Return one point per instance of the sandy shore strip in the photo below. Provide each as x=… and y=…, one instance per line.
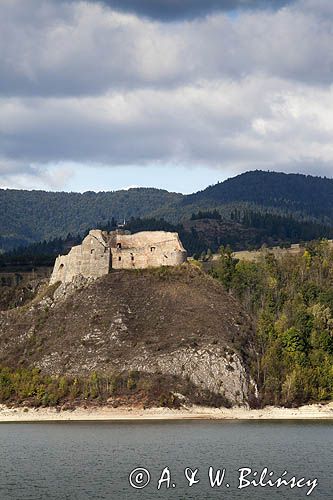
x=315, y=411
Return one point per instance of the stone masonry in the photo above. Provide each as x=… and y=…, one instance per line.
x=101, y=251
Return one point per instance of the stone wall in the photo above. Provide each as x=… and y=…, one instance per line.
x=90, y=259
x=101, y=251
x=147, y=249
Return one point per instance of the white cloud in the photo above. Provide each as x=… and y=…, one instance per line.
x=21, y=175
x=255, y=122
x=82, y=83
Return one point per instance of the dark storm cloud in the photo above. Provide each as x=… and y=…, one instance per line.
x=170, y=10
x=82, y=48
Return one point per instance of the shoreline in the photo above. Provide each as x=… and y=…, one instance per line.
x=27, y=415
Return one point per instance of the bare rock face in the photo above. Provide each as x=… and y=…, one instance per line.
x=209, y=368
x=173, y=321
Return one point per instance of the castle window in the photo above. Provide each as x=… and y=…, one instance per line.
x=92, y=250
x=152, y=249
x=118, y=245
x=132, y=257
x=61, y=267
x=119, y=258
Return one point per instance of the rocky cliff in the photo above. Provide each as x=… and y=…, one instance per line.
x=177, y=322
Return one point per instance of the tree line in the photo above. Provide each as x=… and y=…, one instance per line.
x=290, y=298
x=45, y=252
x=282, y=227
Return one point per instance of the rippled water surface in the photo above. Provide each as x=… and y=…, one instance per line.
x=93, y=460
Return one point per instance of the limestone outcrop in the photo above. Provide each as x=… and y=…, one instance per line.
x=101, y=251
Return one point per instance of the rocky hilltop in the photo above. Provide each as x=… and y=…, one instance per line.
x=175, y=322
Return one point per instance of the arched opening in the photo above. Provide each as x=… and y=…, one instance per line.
x=61, y=271
x=118, y=245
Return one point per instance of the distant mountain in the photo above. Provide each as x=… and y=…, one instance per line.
x=32, y=216
x=296, y=193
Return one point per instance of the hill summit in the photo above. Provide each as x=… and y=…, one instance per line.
x=175, y=322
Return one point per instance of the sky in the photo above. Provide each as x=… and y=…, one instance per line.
x=174, y=94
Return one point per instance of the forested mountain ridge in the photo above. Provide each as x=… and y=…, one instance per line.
x=33, y=216
x=305, y=194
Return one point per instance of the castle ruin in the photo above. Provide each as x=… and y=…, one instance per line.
x=101, y=251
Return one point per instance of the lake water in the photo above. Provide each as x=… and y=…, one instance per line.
x=94, y=460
